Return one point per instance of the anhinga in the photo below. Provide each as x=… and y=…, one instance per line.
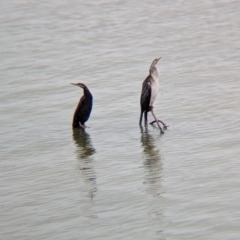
x=150, y=89
x=84, y=107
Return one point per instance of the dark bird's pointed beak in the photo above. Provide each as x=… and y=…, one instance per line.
x=81, y=85
x=158, y=59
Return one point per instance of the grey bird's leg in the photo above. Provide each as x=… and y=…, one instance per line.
x=145, y=118
x=156, y=120
x=140, y=120
x=164, y=125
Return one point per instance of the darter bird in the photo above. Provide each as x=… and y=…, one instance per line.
x=150, y=89
x=84, y=108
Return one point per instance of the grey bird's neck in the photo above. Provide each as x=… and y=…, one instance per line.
x=154, y=72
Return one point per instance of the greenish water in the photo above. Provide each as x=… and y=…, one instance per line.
x=114, y=181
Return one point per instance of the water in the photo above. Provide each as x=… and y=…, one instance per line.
x=114, y=182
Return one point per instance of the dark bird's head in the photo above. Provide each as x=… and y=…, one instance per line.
x=81, y=85
x=86, y=91
x=153, y=69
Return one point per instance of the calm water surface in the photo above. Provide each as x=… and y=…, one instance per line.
x=114, y=181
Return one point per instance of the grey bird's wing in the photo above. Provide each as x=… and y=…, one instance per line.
x=146, y=94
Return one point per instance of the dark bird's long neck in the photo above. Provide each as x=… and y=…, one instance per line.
x=87, y=93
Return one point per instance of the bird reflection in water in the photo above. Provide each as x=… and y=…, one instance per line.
x=153, y=170
x=85, y=151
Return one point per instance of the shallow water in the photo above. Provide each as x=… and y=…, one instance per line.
x=114, y=181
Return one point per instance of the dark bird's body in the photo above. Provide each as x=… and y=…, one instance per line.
x=150, y=89
x=84, y=108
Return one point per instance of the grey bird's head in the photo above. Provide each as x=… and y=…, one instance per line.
x=153, y=69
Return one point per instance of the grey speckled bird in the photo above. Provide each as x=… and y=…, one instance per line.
x=150, y=89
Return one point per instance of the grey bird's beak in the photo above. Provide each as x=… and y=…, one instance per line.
x=74, y=84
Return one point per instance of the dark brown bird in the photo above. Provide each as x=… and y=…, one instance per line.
x=84, y=108
x=150, y=89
